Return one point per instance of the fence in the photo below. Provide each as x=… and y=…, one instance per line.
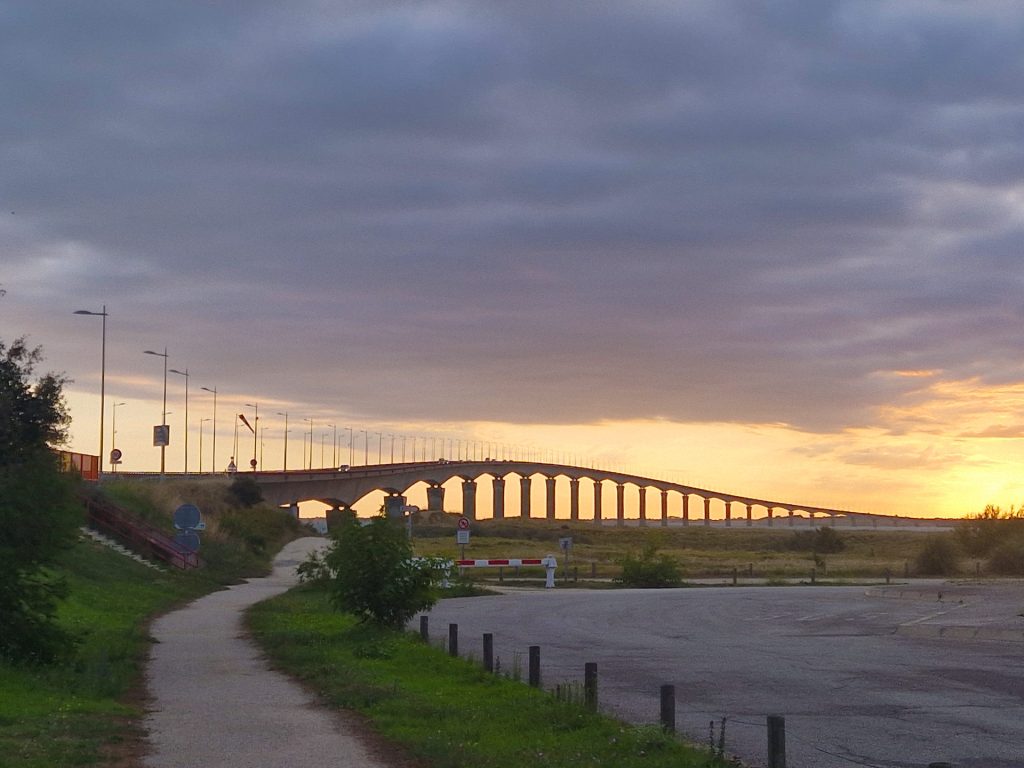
x=144, y=538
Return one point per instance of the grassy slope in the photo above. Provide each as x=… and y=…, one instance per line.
x=83, y=713
x=446, y=711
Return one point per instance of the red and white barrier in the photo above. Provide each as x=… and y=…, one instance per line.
x=549, y=562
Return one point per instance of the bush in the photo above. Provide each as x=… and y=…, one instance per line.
x=1008, y=559
x=820, y=541
x=245, y=492
x=938, y=557
x=982, y=534
x=650, y=569
x=373, y=574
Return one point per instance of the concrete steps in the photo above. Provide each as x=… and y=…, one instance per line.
x=119, y=548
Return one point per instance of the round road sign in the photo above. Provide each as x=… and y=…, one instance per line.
x=463, y=523
x=115, y=454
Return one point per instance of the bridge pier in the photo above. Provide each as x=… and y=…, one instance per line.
x=335, y=515
x=525, y=499
x=393, y=504
x=707, y=510
x=549, y=483
x=435, y=497
x=728, y=514
x=771, y=518
x=620, y=504
x=469, y=499
x=499, y=497
x=750, y=515
x=574, y=498
x=686, y=509
x=598, y=500
x=643, y=505
x=664, y=508
x=791, y=518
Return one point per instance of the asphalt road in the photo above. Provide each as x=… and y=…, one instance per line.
x=861, y=678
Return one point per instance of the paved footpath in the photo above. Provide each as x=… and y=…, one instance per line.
x=216, y=702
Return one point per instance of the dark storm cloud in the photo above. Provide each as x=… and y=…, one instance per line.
x=537, y=212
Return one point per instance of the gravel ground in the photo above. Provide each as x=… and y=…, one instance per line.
x=216, y=702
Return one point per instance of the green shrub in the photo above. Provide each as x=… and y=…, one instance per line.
x=373, y=574
x=650, y=569
x=245, y=492
x=938, y=557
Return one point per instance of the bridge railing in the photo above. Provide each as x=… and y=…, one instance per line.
x=139, y=535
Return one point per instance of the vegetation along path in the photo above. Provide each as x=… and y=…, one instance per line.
x=216, y=702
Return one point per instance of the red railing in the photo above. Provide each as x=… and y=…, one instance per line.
x=144, y=538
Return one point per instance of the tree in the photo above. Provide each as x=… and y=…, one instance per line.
x=39, y=514
x=373, y=575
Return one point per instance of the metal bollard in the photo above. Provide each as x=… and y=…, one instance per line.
x=424, y=631
x=453, y=639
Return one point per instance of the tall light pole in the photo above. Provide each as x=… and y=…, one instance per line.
x=380, y=447
x=201, y=422
x=366, y=447
x=103, y=372
x=323, y=438
x=213, y=458
x=285, y=414
x=335, y=428
x=392, y=448
x=351, y=455
x=185, y=374
x=163, y=413
x=310, y=465
x=255, y=432
x=262, y=434
x=113, y=432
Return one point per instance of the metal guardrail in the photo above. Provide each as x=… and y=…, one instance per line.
x=144, y=538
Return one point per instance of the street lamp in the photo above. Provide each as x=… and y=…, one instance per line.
x=103, y=372
x=285, y=414
x=255, y=433
x=185, y=374
x=163, y=413
x=201, y=422
x=113, y=432
x=335, y=428
x=351, y=455
x=310, y=420
x=213, y=463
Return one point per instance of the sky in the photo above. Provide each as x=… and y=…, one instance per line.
x=772, y=248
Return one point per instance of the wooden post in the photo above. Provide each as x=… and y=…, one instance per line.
x=424, y=630
x=453, y=639
x=590, y=685
x=668, y=708
x=593, y=569
x=488, y=651
x=776, y=741
x=814, y=574
x=735, y=575
x=534, y=674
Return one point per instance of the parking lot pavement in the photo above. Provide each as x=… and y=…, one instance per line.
x=894, y=676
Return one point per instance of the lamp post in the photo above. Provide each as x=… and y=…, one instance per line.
x=310, y=465
x=335, y=428
x=351, y=456
x=163, y=413
x=366, y=447
x=255, y=432
x=185, y=374
x=380, y=447
x=113, y=432
x=323, y=438
x=263, y=431
x=285, y=414
x=103, y=371
x=213, y=457
x=201, y=422
x=392, y=448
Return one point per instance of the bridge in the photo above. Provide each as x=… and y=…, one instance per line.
x=340, y=489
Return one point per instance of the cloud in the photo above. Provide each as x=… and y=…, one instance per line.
x=710, y=212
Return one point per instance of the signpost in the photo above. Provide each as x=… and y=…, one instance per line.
x=115, y=456
x=462, y=535
x=161, y=435
x=188, y=519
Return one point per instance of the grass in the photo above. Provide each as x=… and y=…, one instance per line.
x=87, y=712
x=702, y=552
x=447, y=712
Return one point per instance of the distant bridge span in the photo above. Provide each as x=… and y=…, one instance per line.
x=342, y=489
